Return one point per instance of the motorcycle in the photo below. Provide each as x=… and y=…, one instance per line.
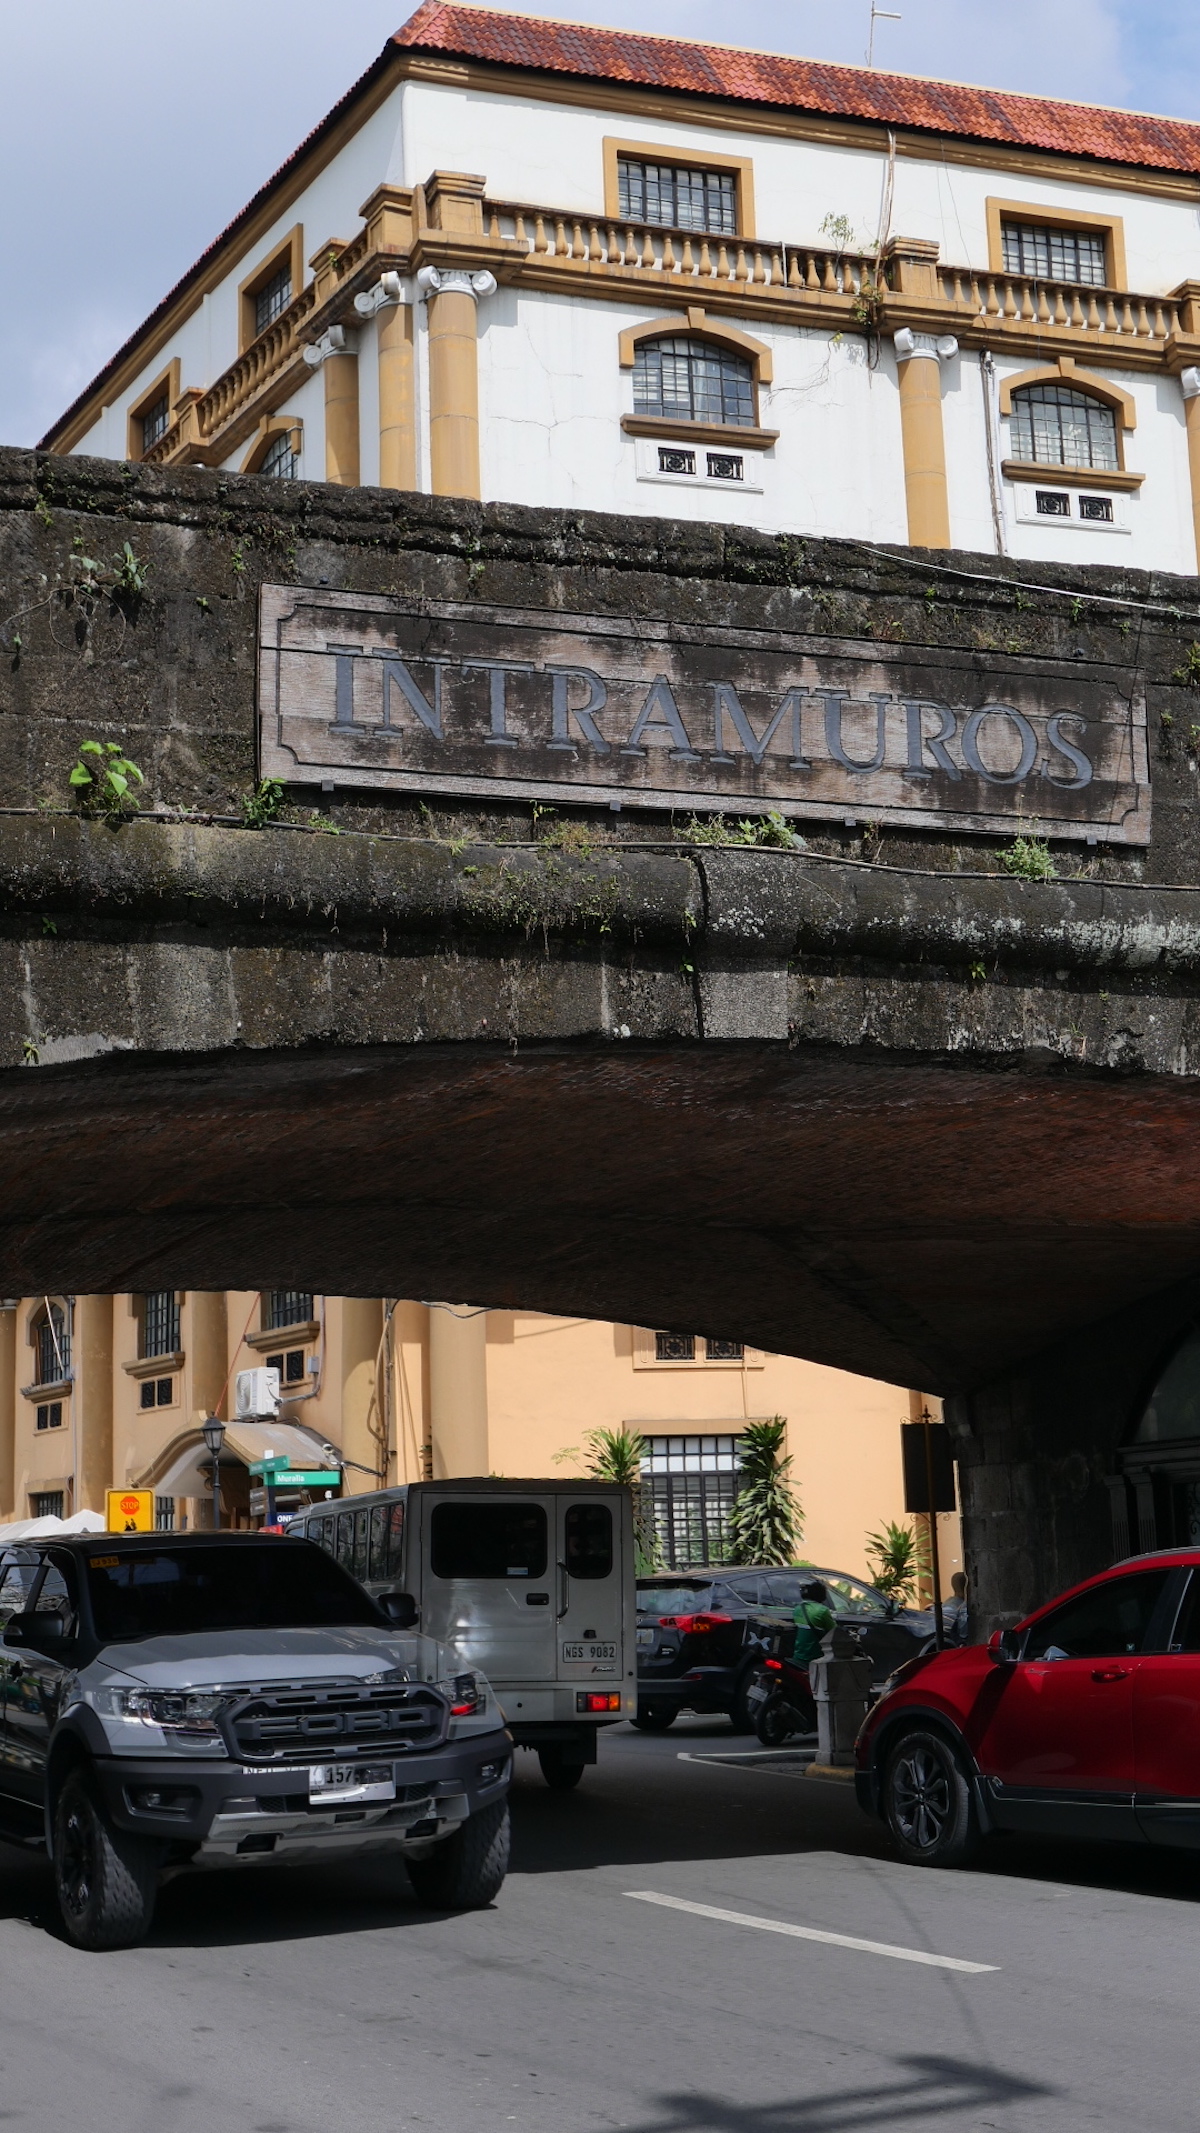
x=779, y=1701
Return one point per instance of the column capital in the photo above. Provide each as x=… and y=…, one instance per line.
x=391, y=288
x=937, y=348
x=1189, y=381
x=335, y=341
x=437, y=281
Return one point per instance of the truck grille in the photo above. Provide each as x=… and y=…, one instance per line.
x=300, y=1725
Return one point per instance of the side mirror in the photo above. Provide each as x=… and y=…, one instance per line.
x=1004, y=1647
x=401, y=1609
x=36, y=1632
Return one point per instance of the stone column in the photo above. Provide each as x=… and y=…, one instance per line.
x=93, y=1401
x=458, y=1398
x=8, y=1407
x=205, y=1338
x=386, y=303
x=919, y=357
x=362, y=1329
x=1190, y=383
x=336, y=355
x=451, y=295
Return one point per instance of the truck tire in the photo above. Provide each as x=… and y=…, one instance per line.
x=464, y=1872
x=105, y=1880
x=560, y=1771
x=654, y=1717
x=927, y=1801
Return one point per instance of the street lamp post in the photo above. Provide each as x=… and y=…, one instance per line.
x=214, y=1438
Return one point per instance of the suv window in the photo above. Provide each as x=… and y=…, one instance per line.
x=488, y=1540
x=671, y=1599
x=177, y=1592
x=749, y=1591
x=17, y=1573
x=1110, y=1620
x=848, y=1597
x=56, y=1593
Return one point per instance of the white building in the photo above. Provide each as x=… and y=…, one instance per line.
x=554, y=265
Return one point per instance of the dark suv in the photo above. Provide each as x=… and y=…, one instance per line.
x=701, y=1633
x=171, y=1701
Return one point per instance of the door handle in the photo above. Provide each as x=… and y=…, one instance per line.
x=563, y=1591
x=1111, y=1673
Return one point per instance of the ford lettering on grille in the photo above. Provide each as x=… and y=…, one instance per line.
x=285, y=1725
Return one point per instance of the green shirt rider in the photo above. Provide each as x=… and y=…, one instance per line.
x=813, y=1622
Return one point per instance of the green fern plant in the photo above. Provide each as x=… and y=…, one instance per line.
x=766, y=1521
x=899, y=1558
x=616, y=1455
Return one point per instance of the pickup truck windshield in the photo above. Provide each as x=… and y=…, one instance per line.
x=178, y=1592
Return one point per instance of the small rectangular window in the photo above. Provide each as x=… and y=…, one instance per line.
x=725, y=466
x=1097, y=508
x=147, y=1394
x=272, y=299
x=588, y=1540
x=1054, y=255
x=1053, y=503
x=672, y=462
x=488, y=1540
x=49, y=1504
x=164, y=1514
x=275, y=1362
x=164, y=1391
x=672, y=197
x=724, y=1351
x=160, y=1323
x=287, y=1307
x=293, y=1367
x=155, y=422
x=49, y=1416
x=674, y=1348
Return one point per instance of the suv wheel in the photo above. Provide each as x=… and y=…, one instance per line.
x=105, y=1880
x=561, y=1772
x=464, y=1872
x=927, y=1802
x=655, y=1717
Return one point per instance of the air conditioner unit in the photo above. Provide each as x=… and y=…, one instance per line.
x=256, y=1395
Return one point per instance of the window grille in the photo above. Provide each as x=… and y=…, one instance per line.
x=164, y=1514
x=158, y=1392
x=724, y=1351
x=1053, y=503
x=725, y=466
x=290, y=1366
x=693, y=381
x=49, y=1504
x=674, y=461
x=272, y=299
x=1096, y=507
x=160, y=1323
x=280, y=460
x=53, y=1348
x=677, y=199
x=287, y=1307
x=1054, y=255
x=155, y=422
x=674, y=1348
x=1054, y=425
x=691, y=1484
x=50, y=1416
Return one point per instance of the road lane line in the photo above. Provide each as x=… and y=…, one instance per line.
x=831, y=1940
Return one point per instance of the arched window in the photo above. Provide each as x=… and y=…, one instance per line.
x=51, y=1339
x=1173, y=1409
x=1056, y=426
x=279, y=458
x=685, y=380
x=1155, y=1489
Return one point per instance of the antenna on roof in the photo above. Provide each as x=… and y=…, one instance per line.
x=878, y=14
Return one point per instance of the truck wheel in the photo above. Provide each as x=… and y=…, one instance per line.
x=105, y=1880
x=560, y=1774
x=464, y=1872
x=927, y=1802
x=655, y=1717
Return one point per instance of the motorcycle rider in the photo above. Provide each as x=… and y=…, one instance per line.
x=813, y=1622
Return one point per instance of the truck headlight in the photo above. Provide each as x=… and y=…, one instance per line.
x=469, y=1698
x=184, y=1717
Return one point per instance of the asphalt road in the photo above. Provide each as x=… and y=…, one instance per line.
x=289, y=2002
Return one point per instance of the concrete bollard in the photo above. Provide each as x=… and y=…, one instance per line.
x=841, y=1684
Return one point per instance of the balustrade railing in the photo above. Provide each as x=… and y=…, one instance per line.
x=1016, y=300
x=684, y=255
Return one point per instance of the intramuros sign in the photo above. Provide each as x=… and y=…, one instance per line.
x=435, y=696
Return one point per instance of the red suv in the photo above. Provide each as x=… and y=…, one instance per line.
x=1082, y=1722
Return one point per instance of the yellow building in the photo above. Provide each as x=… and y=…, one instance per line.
x=112, y=1391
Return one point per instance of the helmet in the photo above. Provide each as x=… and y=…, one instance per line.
x=812, y=1589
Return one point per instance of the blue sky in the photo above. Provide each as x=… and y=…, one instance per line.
x=133, y=131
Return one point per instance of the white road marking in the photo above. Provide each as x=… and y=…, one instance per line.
x=831, y=1940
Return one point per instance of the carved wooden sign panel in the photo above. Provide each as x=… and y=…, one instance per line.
x=388, y=692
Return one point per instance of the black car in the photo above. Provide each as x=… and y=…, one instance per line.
x=701, y=1632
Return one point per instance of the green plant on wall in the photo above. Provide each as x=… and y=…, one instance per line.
x=265, y=804
x=1029, y=859
x=766, y=1521
x=617, y=1455
x=899, y=1558
x=103, y=780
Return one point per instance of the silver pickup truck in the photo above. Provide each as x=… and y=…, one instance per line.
x=176, y=1701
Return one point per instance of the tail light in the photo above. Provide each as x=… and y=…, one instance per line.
x=773, y=1666
x=692, y=1623
x=598, y=1700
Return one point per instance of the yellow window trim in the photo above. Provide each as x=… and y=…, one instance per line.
x=1031, y=212
x=167, y=381
x=683, y=159
x=289, y=251
x=268, y=430
x=696, y=321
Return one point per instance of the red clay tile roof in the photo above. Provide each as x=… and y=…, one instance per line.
x=803, y=85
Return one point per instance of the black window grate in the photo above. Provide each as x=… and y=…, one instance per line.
x=1054, y=255
x=272, y=300
x=674, y=1347
x=281, y=461
x=693, y=381
x=156, y=422
x=47, y=1504
x=160, y=1323
x=287, y=1307
x=676, y=198
x=1052, y=425
x=53, y=1348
